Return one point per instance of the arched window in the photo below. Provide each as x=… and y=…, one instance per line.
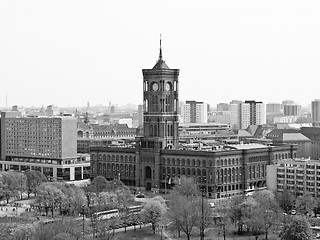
x=188, y=162
x=188, y=171
x=146, y=105
x=203, y=163
x=192, y=162
x=225, y=175
x=233, y=175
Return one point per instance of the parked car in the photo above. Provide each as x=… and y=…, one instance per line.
x=140, y=196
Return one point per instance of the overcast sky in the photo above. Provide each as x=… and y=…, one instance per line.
x=67, y=53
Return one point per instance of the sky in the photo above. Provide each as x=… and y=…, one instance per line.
x=70, y=52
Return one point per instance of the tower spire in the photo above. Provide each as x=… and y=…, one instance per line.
x=160, y=54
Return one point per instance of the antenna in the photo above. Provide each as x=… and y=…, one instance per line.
x=160, y=54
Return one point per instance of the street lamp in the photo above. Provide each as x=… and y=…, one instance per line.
x=202, y=217
x=161, y=232
x=83, y=206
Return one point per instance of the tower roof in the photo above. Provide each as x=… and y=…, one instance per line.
x=160, y=63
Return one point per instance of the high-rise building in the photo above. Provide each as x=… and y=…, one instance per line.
x=315, y=108
x=46, y=144
x=273, y=108
x=194, y=112
x=140, y=115
x=292, y=110
x=257, y=113
x=247, y=113
x=223, y=107
x=235, y=114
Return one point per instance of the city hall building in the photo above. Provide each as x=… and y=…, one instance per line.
x=158, y=161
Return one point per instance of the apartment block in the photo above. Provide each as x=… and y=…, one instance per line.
x=247, y=113
x=297, y=175
x=315, y=109
x=194, y=112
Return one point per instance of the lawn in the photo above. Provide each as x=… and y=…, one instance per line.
x=211, y=234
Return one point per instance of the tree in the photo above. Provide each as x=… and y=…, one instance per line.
x=296, y=229
x=183, y=214
x=21, y=183
x=9, y=184
x=152, y=213
x=236, y=212
x=285, y=200
x=223, y=216
x=187, y=187
x=316, y=208
x=68, y=198
x=305, y=204
x=66, y=229
x=123, y=197
x=99, y=184
x=114, y=185
x=248, y=207
x=204, y=211
x=267, y=211
x=49, y=197
x=185, y=206
x=34, y=179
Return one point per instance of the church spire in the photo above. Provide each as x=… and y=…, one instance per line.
x=160, y=54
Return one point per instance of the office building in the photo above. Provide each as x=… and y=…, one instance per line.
x=46, y=144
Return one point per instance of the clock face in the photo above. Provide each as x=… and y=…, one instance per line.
x=168, y=87
x=155, y=87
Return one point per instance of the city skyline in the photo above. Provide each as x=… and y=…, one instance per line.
x=71, y=53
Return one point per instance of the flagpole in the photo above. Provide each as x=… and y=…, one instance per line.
x=165, y=184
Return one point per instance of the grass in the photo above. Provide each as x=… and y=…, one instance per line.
x=147, y=234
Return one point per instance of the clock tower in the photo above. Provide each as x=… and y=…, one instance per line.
x=160, y=99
